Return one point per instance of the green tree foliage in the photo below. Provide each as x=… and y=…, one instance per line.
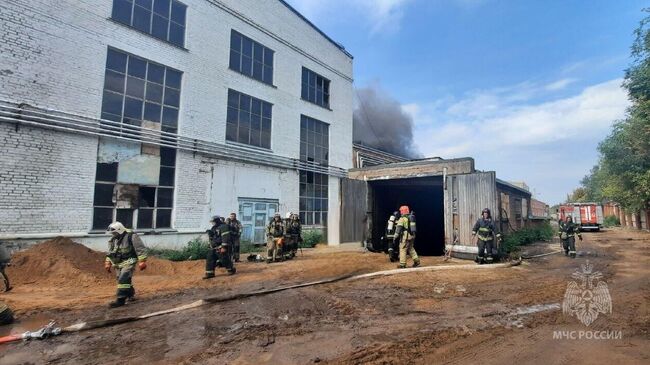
x=623, y=171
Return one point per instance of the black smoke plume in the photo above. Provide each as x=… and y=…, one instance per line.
x=380, y=122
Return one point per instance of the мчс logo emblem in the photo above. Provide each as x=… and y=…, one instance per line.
x=587, y=300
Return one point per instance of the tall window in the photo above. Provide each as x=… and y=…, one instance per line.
x=251, y=58
x=315, y=88
x=314, y=140
x=314, y=147
x=248, y=120
x=135, y=185
x=137, y=90
x=163, y=19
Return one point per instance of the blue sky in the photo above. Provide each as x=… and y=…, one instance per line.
x=527, y=88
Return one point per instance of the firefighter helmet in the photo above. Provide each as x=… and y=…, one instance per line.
x=215, y=219
x=117, y=228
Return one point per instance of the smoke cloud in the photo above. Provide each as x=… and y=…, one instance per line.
x=380, y=122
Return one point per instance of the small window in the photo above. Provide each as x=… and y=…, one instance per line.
x=103, y=195
x=315, y=88
x=106, y=172
x=251, y=58
x=163, y=19
x=102, y=218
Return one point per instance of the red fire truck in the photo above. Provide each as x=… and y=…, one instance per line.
x=589, y=216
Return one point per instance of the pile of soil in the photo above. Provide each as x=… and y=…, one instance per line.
x=59, y=261
x=63, y=262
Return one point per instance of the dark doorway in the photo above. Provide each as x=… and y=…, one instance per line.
x=425, y=197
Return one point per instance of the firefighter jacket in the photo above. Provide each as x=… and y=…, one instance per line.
x=568, y=229
x=235, y=227
x=405, y=227
x=220, y=236
x=485, y=229
x=293, y=228
x=126, y=249
x=275, y=229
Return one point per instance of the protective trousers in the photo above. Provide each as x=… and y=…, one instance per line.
x=124, y=281
x=484, y=247
x=292, y=244
x=272, y=247
x=235, y=248
x=406, y=247
x=569, y=245
x=211, y=261
x=226, y=257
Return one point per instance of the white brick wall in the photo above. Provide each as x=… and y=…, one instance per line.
x=54, y=53
x=47, y=180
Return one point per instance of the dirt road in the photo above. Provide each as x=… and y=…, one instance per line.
x=453, y=317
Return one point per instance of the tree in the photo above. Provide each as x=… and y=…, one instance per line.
x=623, y=170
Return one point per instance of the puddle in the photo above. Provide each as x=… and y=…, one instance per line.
x=516, y=317
x=21, y=326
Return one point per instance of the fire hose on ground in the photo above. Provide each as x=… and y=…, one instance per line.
x=50, y=330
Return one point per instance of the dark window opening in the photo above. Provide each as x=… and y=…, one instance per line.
x=248, y=120
x=102, y=218
x=251, y=58
x=106, y=172
x=165, y=20
x=315, y=88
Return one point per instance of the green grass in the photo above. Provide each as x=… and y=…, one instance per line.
x=526, y=236
x=611, y=221
x=196, y=249
x=311, y=238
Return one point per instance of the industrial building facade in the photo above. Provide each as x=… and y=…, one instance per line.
x=161, y=113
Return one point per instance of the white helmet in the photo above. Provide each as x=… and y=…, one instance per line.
x=116, y=227
x=289, y=214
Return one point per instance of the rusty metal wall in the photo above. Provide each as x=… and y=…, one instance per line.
x=465, y=196
x=354, y=198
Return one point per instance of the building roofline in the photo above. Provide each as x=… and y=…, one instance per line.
x=505, y=183
x=337, y=44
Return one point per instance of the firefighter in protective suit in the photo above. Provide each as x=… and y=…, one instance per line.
x=292, y=231
x=125, y=251
x=405, y=235
x=275, y=238
x=393, y=245
x=221, y=248
x=568, y=231
x=485, y=230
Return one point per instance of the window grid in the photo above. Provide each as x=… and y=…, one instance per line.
x=163, y=19
x=314, y=140
x=248, y=120
x=315, y=88
x=137, y=90
x=313, y=195
x=251, y=58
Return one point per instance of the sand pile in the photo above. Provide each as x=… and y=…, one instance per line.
x=63, y=262
x=59, y=261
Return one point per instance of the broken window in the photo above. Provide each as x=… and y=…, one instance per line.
x=125, y=216
x=106, y=172
x=104, y=195
x=102, y=217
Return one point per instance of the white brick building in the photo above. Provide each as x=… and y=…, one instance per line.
x=219, y=90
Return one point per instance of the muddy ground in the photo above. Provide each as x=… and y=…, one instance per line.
x=456, y=317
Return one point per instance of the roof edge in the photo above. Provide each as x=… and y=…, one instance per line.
x=337, y=44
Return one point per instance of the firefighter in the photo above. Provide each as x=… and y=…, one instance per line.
x=405, y=235
x=275, y=235
x=567, y=233
x=235, y=232
x=485, y=230
x=393, y=245
x=125, y=250
x=220, y=253
x=292, y=234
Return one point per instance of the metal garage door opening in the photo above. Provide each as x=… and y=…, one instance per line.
x=424, y=196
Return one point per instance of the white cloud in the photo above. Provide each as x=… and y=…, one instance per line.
x=519, y=138
x=560, y=84
x=378, y=15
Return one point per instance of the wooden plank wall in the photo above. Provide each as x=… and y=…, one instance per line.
x=354, y=197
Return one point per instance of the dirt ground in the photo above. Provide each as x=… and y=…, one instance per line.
x=452, y=317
